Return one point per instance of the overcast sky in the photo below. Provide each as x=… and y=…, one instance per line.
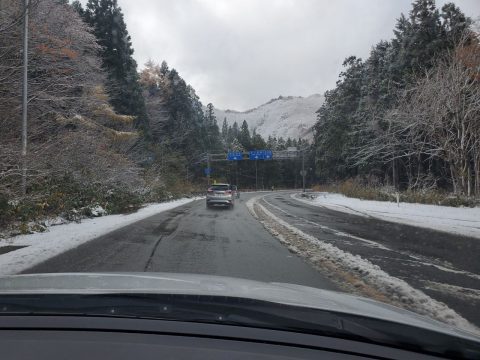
x=238, y=54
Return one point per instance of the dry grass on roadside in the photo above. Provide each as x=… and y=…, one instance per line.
x=354, y=189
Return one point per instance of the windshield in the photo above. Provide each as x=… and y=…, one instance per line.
x=330, y=145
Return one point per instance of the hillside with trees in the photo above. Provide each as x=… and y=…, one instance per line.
x=104, y=135
x=77, y=143
x=284, y=116
x=408, y=116
x=107, y=23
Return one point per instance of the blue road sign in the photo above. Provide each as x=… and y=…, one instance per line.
x=260, y=154
x=234, y=155
x=207, y=171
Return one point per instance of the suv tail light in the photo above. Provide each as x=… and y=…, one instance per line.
x=210, y=191
x=228, y=191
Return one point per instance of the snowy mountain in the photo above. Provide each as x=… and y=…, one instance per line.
x=285, y=116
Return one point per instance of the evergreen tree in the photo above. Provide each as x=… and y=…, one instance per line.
x=210, y=114
x=178, y=119
x=164, y=68
x=225, y=131
x=454, y=23
x=244, y=136
x=235, y=130
x=77, y=6
x=257, y=142
x=356, y=112
x=106, y=19
x=236, y=145
x=213, y=133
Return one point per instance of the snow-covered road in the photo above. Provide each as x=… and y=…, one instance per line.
x=418, y=268
x=461, y=220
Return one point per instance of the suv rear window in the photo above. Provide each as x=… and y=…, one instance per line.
x=220, y=187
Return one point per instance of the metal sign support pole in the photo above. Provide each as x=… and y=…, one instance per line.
x=236, y=174
x=208, y=167
x=303, y=170
x=256, y=176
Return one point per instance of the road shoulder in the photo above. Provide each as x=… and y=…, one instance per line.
x=33, y=249
x=459, y=221
x=353, y=273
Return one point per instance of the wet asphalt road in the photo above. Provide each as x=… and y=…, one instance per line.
x=444, y=266
x=192, y=239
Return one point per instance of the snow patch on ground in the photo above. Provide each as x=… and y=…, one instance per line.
x=60, y=238
x=461, y=221
x=459, y=291
x=415, y=258
x=394, y=288
x=367, y=242
x=250, y=205
x=98, y=211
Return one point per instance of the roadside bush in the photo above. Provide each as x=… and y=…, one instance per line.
x=65, y=197
x=72, y=199
x=118, y=202
x=435, y=197
x=6, y=211
x=352, y=188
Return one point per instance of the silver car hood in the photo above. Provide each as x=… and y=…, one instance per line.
x=194, y=284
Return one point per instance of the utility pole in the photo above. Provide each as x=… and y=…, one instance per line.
x=208, y=169
x=24, y=98
x=236, y=175
x=256, y=176
x=303, y=170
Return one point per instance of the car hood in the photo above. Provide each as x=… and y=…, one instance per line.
x=195, y=284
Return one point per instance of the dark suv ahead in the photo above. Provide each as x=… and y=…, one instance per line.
x=220, y=194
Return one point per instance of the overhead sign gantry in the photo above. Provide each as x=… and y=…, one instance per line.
x=236, y=155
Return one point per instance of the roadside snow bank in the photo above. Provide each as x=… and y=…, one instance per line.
x=462, y=221
x=397, y=291
x=58, y=239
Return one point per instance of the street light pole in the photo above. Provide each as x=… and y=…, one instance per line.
x=236, y=174
x=208, y=169
x=24, y=99
x=256, y=176
x=303, y=170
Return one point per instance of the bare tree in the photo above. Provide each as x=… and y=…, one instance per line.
x=437, y=119
x=72, y=128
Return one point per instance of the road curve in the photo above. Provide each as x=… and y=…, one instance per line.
x=442, y=265
x=193, y=239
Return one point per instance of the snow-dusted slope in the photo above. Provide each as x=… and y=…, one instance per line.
x=288, y=116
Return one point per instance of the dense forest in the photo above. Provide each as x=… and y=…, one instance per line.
x=408, y=116
x=101, y=133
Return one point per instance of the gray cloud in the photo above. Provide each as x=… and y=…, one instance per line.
x=240, y=53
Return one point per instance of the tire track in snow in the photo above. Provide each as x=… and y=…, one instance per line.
x=420, y=260
x=397, y=291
